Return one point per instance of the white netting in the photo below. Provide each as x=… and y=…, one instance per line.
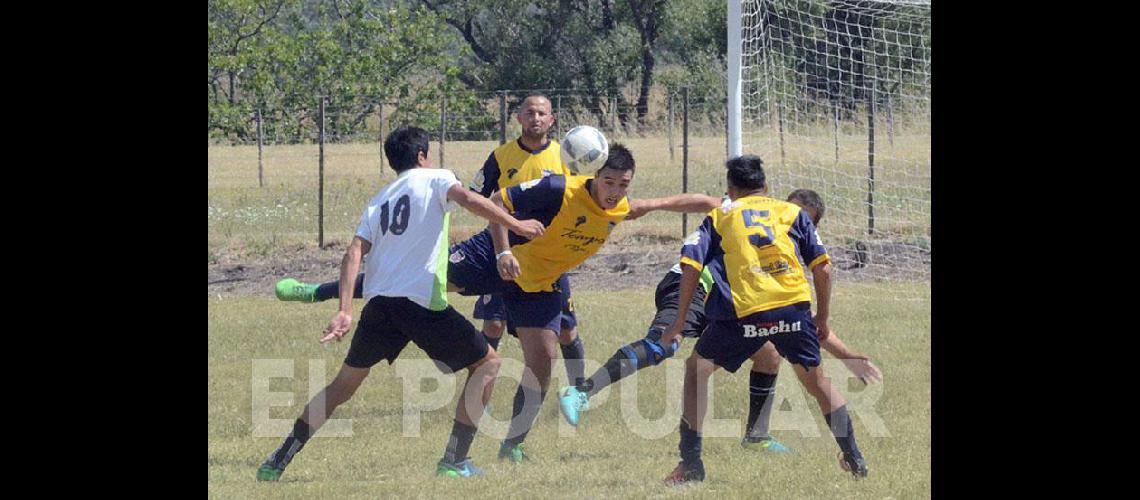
x=835, y=94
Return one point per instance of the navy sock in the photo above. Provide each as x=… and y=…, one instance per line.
x=628, y=359
x=840, y=423
x=331, y=290
x=493, y=341
x=761, y=388
x=526, y=405
x=690, y=445
x=293, y=444
x=574, y=355
x=459, y=443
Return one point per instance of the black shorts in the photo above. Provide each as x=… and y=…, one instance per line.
x=668, y=296
x=388, y=323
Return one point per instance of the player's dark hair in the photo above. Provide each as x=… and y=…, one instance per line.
x=810, y=199
x=619, y=159
x=403, y=146
x=746, y=172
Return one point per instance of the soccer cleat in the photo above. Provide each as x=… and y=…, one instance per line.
x=462, y=469
x=267, y=472
x=293, y=290
x=513, y=453
x=682, y=474
x=571, y=401
x=768, y=444
x=857, y=466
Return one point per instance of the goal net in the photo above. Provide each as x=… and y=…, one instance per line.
x=835, y=97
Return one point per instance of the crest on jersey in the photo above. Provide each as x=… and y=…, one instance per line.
x=581, y=220
x=511, y=173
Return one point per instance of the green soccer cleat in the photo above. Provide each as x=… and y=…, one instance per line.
x=268, y=472
x=290, y=289
x=513, y=453
x=571, y=401
x=768, y=444
x=464, y=468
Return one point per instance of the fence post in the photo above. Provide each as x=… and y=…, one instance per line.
x=260, y=180
x=321, y=179
x=685, y=157
x=835, y=112
x=871, y=163
x=382, y=138
x=502, y=117
x=670, y=94
x=557, y=119
x=613, y=115
x=442, y=127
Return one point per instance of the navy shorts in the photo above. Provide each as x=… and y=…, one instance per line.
x=546, y=310
x=387, y=324
x=569, y=317
x=790, y=328
x=490, y=306
x=667, y=298
x=533, y=309
x=471, y=266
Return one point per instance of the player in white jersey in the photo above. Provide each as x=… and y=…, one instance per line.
x=405, y=229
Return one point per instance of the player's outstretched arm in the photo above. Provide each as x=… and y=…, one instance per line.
x=821, y=277
x=858, y=363
x=687, y=202
x=505, y=262
x=495, y=213
x=690, y=277
x=349, y=267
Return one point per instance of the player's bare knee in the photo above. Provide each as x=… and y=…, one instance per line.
x=488, y=365
x=493, y=328
x=349, y=378
x=567, y=336
x=766, y=361
x=699, y=365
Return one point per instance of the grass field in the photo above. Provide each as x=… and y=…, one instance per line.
x=608, y=457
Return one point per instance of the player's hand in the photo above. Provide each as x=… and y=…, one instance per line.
x=863, y=368
x=673, y=334
x=338, y=326
x=508, y=267
x=822, y=329
x=529, y=229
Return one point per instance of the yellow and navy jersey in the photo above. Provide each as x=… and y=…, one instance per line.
x=576, y=227
x=755, y=248
x=512, y=164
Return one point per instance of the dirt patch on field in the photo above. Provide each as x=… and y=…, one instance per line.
x=635, y=262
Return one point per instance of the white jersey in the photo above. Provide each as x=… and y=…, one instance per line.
x=407, y=225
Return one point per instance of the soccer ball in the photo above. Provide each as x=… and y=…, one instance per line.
x=584, y=147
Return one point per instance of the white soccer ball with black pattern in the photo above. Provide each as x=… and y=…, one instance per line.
x=584, y=148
